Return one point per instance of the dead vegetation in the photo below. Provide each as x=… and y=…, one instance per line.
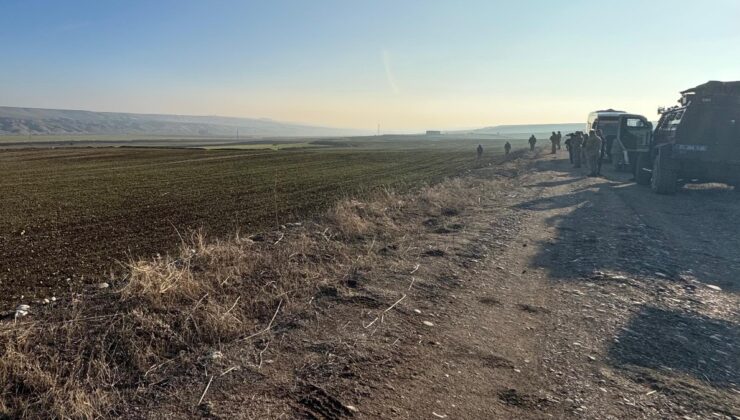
x=86, y=357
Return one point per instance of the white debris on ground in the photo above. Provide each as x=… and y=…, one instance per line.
x=22, y=310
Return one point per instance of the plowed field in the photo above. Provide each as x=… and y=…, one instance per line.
x=70, y=215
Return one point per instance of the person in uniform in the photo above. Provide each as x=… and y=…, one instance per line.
x=608, y=141
x=568, y=141
x=507, y=148
x=618, y=153
x=553, y=143
x=532, y=142
x=592, y=150
x=479, y=150
x=576, y=145
x=559, y=139
x=604, y=152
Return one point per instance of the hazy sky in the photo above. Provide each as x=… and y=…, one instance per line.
x=407, y=65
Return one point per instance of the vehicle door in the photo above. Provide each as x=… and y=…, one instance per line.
x=665, y=131
x=634, y=133
x=724, y=136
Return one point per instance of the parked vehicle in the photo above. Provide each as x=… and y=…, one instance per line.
x=607, y=121
x=698, y=140
x=625, y=136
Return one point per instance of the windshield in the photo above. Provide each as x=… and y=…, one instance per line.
x=608, y=127
x=636, y=123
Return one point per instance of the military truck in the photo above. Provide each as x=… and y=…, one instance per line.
x=697, y=140
x=626, y=136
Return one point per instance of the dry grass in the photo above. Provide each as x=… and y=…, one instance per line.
x=42, y=377
x=354, y=219
x=84, y=358
x=387, y=214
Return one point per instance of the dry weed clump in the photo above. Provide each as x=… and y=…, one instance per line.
x=216, y=292
x=79, y=361
x=452, y=197
x=350, y=219
x=387, y=213
x=354, y=219
x=43, y=375
x=85, y=357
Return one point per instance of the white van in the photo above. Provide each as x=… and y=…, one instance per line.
x=624, y=134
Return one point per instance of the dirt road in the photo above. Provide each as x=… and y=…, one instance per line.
x=597, y=299
x=561, y=296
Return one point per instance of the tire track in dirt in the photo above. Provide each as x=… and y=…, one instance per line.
x=634, y=332
x=580, y=310
x=483, y=361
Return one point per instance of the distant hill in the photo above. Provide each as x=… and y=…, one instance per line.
x=526, y=130
x=37, y=121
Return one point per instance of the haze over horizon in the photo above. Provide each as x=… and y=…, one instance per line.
x=409, y=65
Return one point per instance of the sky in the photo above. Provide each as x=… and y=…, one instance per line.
x=406, y=65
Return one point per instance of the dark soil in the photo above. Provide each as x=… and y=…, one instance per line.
x=71, y=217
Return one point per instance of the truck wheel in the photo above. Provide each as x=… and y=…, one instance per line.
x=665, y=177
x=642, y=169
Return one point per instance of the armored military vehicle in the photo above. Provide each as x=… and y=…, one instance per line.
x=698, y=140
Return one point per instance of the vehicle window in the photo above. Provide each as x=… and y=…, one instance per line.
x=635, y=123
x=608, y=127
x=666, y=122
x=676, y=118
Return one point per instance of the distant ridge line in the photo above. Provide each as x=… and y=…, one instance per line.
x=45, y=121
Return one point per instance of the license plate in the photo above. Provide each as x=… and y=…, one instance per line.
x=691, y=147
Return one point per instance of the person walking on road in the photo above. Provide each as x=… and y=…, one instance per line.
x=593, y=149
x=480, y=151
x=553, y=143
x=507, y=148
x=532, y=142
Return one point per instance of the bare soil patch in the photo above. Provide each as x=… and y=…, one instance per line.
x=71, y=217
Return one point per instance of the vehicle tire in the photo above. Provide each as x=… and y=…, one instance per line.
x=642, y=169
x=665, y=176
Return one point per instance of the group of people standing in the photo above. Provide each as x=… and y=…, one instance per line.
x=555, y=140
x=586, y=147
x=581, y=147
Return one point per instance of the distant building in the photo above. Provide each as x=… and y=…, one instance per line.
x=433, y=132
